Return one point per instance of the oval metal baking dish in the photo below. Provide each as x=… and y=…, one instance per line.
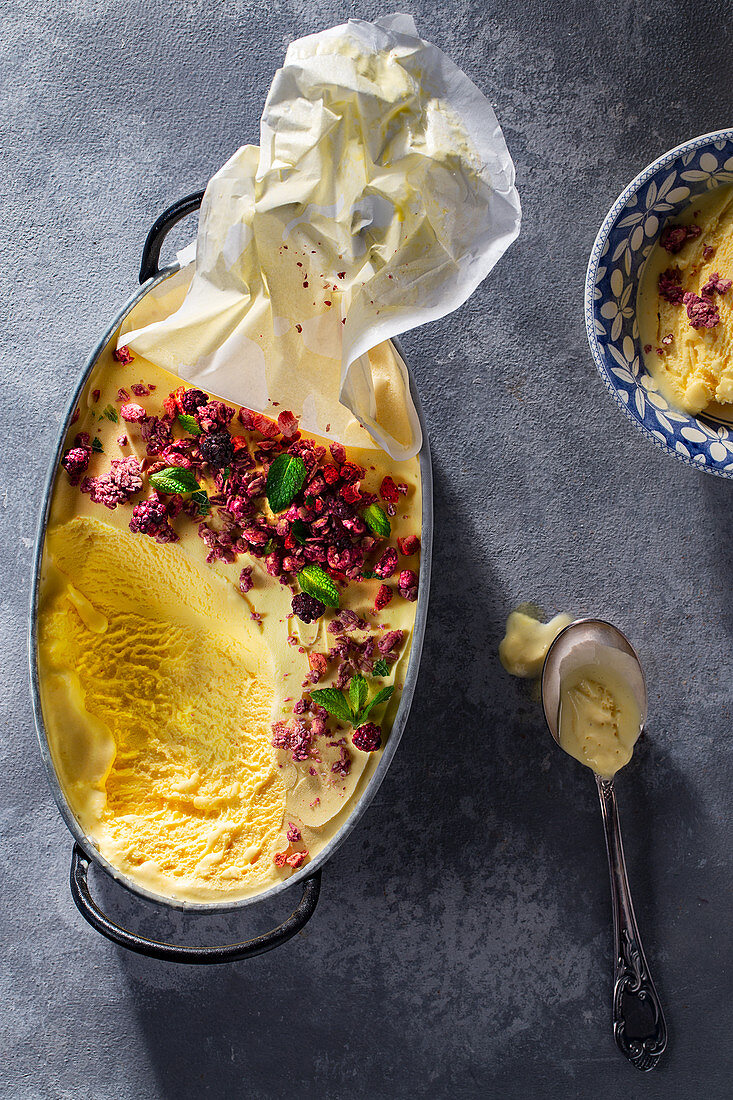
x=84, y=851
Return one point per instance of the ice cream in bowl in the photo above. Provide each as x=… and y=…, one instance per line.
x=659, y=315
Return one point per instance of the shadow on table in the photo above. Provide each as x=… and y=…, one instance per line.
x=480, y=805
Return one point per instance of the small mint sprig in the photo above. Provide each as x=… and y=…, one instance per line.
x=190, y=423
x=284, y=480
x=376, y=520
x=316, y=582
x=355, y=709
x=174, y=479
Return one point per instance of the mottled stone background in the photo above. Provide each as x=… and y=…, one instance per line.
x=462, y=945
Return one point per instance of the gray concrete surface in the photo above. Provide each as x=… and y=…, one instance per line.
x=462, y=944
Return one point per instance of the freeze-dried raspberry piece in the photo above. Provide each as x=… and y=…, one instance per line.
x=670, y=285
x=214, y=416
x=256, y=422
x=156, y=433
x=318, y=662
x=350, y=493
x=349, y=471
x=675, y=237
x=245, y=580
x=715, y=283
x=389, y=643
x=296, y=858
x=387, y=564
x=367, y=738
x=330, y=474
x=75, y=462
x=342, y=766
x=701, y=312
x=295, y=738
x=409, y=545
x=293, y=833
x=384, y=595
x=407, y=585
x=338, y=453
x=123, y=355
x=122, y=395
x=133, y=414
x=141, y=390
x=279, y=859
x=126, y=474
x=190, y=400
x=102, y=490
x=388, y=490
x=150, y=517
x=288, y=425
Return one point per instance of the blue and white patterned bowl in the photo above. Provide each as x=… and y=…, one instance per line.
x=626, y=238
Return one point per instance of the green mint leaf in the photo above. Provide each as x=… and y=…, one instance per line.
x=284, y=478
x=381, y=697
x=189, y=423
x=358, y=691
x=381, y=668
x=97, y=446
x=318, y=584
x=369, y=575
x=335, y=703
x=111, y=413
x=375, y=518
x=174, y=479
x=201, y=497
x=270, y=546
x=299, y=531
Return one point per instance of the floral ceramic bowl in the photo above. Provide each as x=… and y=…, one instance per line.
x=625, y=240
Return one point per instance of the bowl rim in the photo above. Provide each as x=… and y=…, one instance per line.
x=589, y=304
x=409, y=682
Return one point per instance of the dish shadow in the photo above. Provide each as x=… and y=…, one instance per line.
x=483, y=848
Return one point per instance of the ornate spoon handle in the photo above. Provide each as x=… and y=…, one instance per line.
x=639, y=1027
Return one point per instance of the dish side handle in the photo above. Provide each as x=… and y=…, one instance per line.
x=171, y=952
x=149, y=265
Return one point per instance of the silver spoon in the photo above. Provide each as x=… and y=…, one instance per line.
x=639, y=1026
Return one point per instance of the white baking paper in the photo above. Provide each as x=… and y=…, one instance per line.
x=380, y=196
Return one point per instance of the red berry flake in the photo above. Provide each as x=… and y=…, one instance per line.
x=368, y=737
x=256, y=422
x=288, y=425
x=409, y=545
x=388, y=490
x=675, y=237
x=670, y=285
x=715, y=283
x=387, y=564
x=133, y=414
x=293, y=833
x=384, y=595
x=407, y=585
x=296, y=858
x=123, y=355
x=75, y=462
x=701, y=312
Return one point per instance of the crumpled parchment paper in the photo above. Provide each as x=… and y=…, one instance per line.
x=380, y=196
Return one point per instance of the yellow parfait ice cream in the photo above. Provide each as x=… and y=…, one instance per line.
x=600, y=721
x=685, y=307
x=176, y=691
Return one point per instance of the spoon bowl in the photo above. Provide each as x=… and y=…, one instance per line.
x=588, y=642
